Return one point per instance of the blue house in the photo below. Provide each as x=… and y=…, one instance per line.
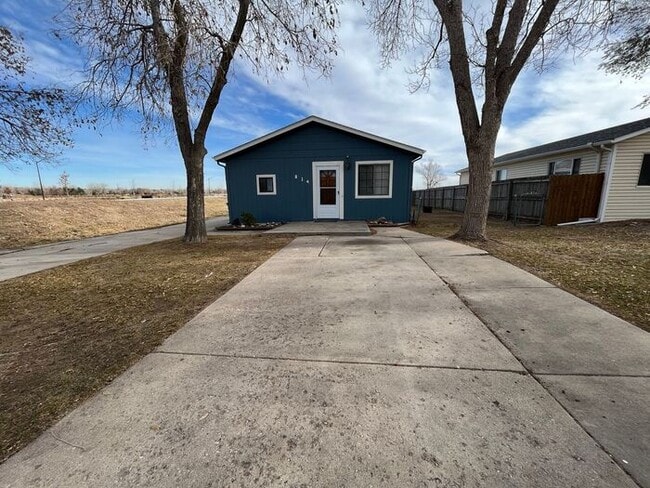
x=317, y=169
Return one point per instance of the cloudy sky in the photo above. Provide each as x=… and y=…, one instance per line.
x=572, y=98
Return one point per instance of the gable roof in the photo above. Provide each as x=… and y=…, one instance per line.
x=611, y=135
x=321, y=121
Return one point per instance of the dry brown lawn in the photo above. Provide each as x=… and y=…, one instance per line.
x=34, y=221
x=68, y=331
x=606, y=264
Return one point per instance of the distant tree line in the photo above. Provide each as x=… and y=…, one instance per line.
x=171, y=59
x=96, y=190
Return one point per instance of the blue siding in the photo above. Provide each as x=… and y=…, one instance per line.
x=292, y=154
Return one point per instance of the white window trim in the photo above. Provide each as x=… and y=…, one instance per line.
x=315, y=166
x=264, y=193
x=638, y=176
x=356, y=180
x=504, y=172
x=566, y=160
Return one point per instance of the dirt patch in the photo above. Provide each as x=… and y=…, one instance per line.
x=34, y=221
x=68, y=331
x=605, y=264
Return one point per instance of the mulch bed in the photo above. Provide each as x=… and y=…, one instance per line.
x=257, y=227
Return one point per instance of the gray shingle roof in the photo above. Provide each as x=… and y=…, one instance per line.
x=599, y=136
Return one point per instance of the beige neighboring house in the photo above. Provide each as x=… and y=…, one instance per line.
x=621, y=152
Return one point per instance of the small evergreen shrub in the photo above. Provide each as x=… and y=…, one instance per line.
x=248, y=219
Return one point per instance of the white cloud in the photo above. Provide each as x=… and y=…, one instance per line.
x=574, y=99
x=571, y=99
x=361, y=94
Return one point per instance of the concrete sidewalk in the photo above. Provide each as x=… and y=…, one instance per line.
x=30, y=260
x=370, y=361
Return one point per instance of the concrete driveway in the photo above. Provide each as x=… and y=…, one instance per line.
x=14, y=263
x=391, y=360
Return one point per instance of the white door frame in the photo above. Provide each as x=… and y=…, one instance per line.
x=317, y=165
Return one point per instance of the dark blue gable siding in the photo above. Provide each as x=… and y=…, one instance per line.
x=290, y=158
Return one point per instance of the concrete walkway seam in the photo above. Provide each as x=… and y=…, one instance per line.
x=344, y=361
x=529, y=373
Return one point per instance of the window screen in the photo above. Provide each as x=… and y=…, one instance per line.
x=563, y=167
x=265, y=184
x=374, y=179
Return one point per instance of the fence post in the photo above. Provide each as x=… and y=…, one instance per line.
x=510, y=188
x=453, y=200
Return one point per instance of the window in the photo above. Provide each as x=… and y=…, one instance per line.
x=374, y=179
x=576, y=166
x=644, y=175
x=266, y=184
x=502, y=174
x=564, y=167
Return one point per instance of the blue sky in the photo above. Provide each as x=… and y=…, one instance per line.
x=573, y=97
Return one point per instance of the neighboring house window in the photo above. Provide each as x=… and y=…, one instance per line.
x=374, y=179
x=644, y=175
x=502, y=174
x=564, y=167
x=266, y=184
x=576, y=166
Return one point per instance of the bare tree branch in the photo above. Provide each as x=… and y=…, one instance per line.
x=629, y=54
x=487, y=45
x=169, y=60
x=35, y=122
x=431, y=173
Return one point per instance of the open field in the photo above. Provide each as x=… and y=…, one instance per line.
x=68, y=331
x=606, y=264
x=27, y=222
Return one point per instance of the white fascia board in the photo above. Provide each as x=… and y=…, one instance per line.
x=631, y=135
x=543, y=155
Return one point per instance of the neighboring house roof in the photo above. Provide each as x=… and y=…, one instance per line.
x=318, y=120
x=611, y=135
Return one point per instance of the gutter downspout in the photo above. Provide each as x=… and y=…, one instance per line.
x=410, y=194
x=600, y=148
x=225, y=175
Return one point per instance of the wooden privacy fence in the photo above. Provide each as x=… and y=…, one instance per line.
x=549, y=200
x=573, y=197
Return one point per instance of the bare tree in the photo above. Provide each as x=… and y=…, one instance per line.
x=97, y=189
x=170, y=59
x=431, y=173
x=64, y=182
x=486, y=45
x=629, y=55
x=33, y=120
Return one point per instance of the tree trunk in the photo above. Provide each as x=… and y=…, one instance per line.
x=477, y=204
x=195, y=231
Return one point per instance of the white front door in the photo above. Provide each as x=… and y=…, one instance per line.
x=328, y=190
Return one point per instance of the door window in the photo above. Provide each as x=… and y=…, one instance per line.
x=327, y=186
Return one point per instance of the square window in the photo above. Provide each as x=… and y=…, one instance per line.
x=374, y=179
x=644, y=175
x=266, y=185
x=563, y=167
x=576, y=166
x=502, y=174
